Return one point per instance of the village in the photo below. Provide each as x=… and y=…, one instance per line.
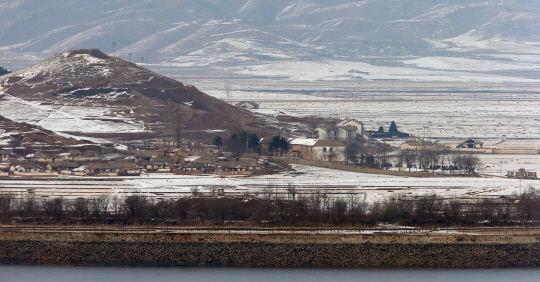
x=343, y=142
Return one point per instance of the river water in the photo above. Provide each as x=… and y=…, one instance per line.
x=32, y=273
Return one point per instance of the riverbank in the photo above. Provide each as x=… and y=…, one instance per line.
x=347, y=251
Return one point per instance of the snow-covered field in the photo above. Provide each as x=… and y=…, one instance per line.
x=455, y=70
x=307, y=180
x=465, y=64
x=443, y=115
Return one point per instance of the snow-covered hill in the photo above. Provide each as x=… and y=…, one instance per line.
x=86, y=91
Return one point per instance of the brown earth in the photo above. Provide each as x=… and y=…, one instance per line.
x=355, y=251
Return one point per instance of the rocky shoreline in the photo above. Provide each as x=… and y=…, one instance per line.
x=359, y=251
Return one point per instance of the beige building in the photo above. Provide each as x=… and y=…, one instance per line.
x=324, y=133
x=352, y=122
x=320, y=150
x=418, y=145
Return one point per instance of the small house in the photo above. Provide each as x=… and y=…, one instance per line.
x=168, y=142
x=352, y=122
x=324, y=133
x=346, y=132
x=62, y=167
x=471, y=144
x=418, y=145
x=192, y=168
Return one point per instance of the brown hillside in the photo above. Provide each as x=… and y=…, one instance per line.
x=90, y=78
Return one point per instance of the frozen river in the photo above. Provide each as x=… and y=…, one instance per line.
x=24, y=273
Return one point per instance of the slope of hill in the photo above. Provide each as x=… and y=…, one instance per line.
x=16, y=133
x=86, y=91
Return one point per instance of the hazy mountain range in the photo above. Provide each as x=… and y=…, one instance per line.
x=238, y=32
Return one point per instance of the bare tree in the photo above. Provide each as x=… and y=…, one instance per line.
x=471, y=163
x=291, y=190
x=444, y=155
x=427, y=207
x=457, y=161
x=135, y=205
x=434, y=159
x=81, y=207
x=487, y=209
x=7, y=199
x=528, y=205
x=409, y=157
x=116, y=205
x=100, y=206
x=29, y=206
x=54, y=208
x=503, y=209
x=452, y=211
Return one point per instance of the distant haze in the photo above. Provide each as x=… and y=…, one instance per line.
x=237, y=32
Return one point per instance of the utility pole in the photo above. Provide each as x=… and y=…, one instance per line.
x=129, y=57
x=142, y=62
x=114, y=47
x=178, y=126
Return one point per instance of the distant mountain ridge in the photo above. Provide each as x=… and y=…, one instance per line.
x=224, y=32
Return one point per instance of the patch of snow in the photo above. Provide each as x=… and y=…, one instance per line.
x=463, y=64
x=121, y=147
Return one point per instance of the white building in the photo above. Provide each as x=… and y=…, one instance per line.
x=352, y=122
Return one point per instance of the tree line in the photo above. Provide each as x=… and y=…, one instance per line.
x=439, y=160
x=428, y=160
x=270, y=208
x=4, y=71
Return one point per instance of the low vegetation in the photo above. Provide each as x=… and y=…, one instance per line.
x=272, y=209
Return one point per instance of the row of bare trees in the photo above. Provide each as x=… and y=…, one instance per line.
x=435, y=160
x=270, y=208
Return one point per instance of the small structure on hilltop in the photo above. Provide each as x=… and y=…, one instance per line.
x=247, y=105
x=522, y=174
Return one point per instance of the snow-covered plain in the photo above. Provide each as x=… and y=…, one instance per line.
x=456, y=70
x=465, y=64
x=443, y=115
x=307, y=180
